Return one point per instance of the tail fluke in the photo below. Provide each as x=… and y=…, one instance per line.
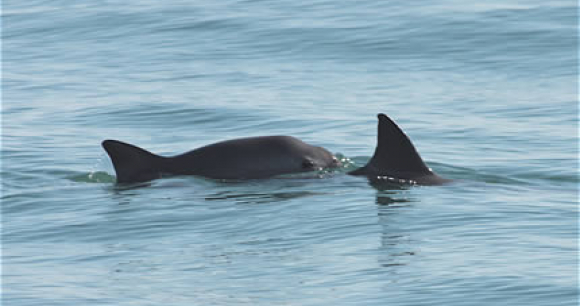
x=133, y=164
x=395, y=155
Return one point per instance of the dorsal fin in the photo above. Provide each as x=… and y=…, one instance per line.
x=394, y=155
x=133, y=164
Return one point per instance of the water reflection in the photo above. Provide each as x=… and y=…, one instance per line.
x=389, y=193
x=259, y=198
x=386, y=185
x=397, y=244
x=119, y=188
x=263, y=191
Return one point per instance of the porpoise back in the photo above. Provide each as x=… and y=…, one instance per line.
x=395, y=159
x=245, y=158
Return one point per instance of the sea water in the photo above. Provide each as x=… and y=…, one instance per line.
x=487, y=92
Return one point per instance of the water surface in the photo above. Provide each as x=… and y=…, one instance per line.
x=486, y=91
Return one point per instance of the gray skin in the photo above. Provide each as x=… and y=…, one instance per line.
x=245, y=158
x=395, y=159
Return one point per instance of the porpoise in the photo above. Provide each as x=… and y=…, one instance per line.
x=395, y=159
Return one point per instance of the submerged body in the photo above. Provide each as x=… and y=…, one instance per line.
x=395, y=158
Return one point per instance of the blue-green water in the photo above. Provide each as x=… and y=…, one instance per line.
x=487, y=91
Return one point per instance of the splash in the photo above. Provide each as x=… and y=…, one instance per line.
x=93, y=177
